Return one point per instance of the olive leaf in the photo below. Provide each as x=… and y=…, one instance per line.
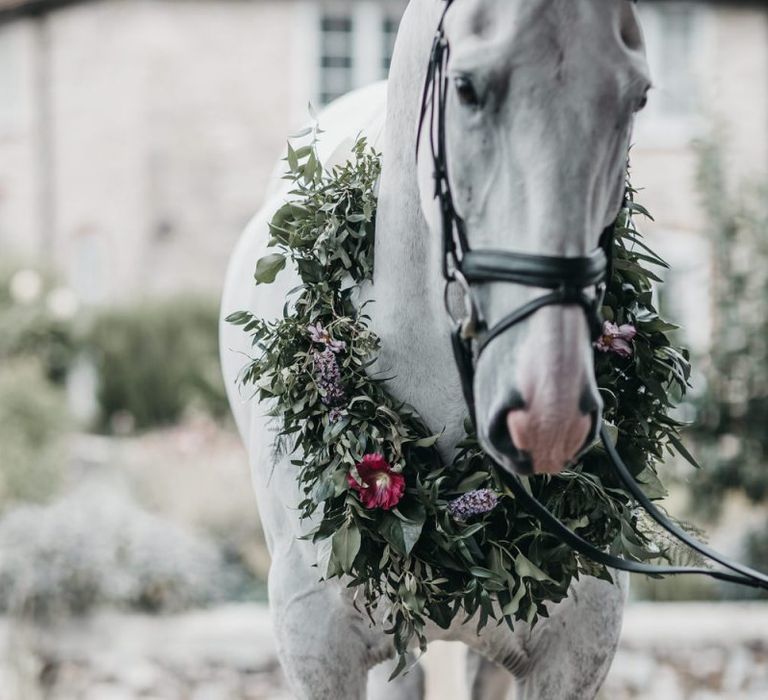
x=525, y=568
x=268, y=267
x=345, y=545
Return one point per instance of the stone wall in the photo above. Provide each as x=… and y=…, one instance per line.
x=692, y=651
x=668, y=652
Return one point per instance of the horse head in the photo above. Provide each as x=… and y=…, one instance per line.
x=538, y=105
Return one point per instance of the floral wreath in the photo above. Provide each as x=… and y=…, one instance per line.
x=420, y=540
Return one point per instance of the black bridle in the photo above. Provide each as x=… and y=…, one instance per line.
x=567, y=279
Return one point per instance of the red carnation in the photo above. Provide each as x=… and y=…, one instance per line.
x=381, y=487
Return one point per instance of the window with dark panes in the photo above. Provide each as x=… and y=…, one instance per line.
x=356, y=43
x=336, y=56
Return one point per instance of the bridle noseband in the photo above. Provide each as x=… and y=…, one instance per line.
x=566, y=278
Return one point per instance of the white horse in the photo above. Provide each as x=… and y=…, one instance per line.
x=538, y=124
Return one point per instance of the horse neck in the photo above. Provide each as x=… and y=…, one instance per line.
x=408, y=286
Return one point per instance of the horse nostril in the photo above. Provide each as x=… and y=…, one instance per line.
x=500, y=438
x=498, y=433
x=590, y=401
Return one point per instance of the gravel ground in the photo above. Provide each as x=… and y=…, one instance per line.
x=668, y=652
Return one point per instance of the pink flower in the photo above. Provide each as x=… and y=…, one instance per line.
x=319, y=334
x=379, y=486
x=616, y=339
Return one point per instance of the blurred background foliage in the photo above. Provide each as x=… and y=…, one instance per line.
x=153, y=361
x=732, y=411
x=729, y=405
x=36, y=349
x=731, y=427
x=81, y=522
x=157, y=360
x=96, y=547
x=37, y=319
x=33, y=423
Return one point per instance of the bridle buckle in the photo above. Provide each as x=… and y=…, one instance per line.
x=469, y=324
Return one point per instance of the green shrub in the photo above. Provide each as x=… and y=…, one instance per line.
x=33, y=322
x=156, y=360
x=33, y=421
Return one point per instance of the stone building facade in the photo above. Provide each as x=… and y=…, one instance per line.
x=136, y=136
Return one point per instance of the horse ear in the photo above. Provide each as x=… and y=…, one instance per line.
x=630, y=31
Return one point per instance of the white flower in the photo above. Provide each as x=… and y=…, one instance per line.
x=62, y=303
x=26, y=286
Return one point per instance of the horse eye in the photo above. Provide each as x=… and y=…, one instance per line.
x=466, y=92
x=641, y=103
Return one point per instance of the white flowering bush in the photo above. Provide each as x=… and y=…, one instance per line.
x=97, y=547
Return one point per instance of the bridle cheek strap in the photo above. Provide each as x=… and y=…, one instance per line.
x=566, y=279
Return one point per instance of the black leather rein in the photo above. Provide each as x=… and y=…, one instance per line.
x=566, y=278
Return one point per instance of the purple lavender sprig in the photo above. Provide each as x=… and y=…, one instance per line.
x=472, y=503
x=327, y=371
x=336, y=414
x=328, y=376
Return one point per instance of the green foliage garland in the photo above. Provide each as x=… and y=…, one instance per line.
x=416, y=562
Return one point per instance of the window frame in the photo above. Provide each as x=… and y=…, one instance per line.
x=370, y=41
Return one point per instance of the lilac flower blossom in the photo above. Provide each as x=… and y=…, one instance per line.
x=616, y=339
x=473, y=503
x=328, y=376
x=320, y=335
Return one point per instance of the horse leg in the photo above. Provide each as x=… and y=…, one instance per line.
x=571, y=651
x=486, y=680
x=408, y=686
x=322, y=644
